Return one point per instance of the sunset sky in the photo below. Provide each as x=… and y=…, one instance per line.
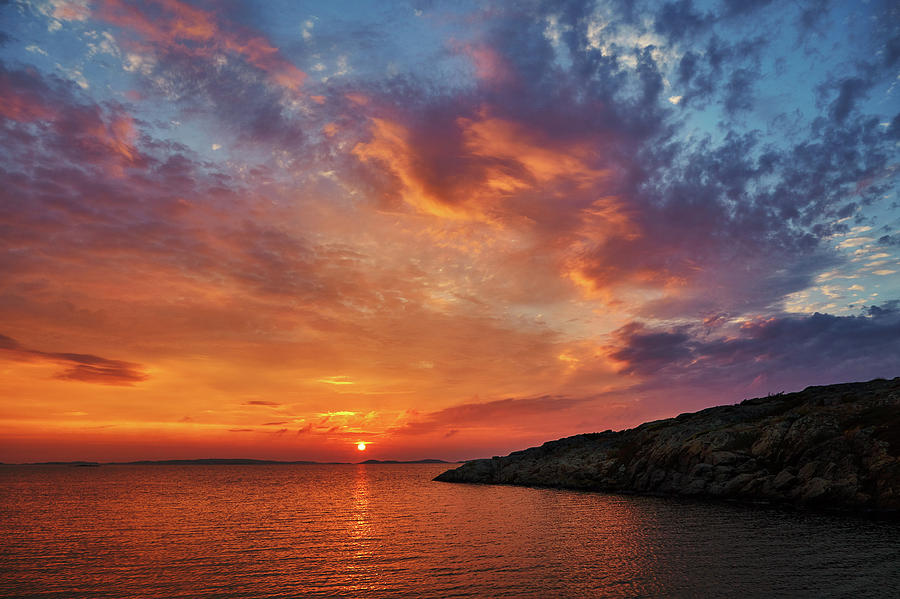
x=450, y=230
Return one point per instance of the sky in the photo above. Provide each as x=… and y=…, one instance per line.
x=445, y=229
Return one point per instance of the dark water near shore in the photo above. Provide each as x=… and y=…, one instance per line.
x=388, y=531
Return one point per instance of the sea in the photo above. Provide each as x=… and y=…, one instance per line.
x=388, y=530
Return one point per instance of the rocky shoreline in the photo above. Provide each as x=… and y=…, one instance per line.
x=831, y=447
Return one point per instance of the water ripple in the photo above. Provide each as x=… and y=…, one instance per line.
x=388, y=531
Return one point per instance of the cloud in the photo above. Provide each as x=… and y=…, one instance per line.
x=178, y=27
x=199, y=235
x=200, y=59
x=470, y=167
x=102, y=137
x=644, y=351
x=71, y=10
x=850, y=91
x=24, y=95
x=336, y=380
x=739, y=90
x=735, y=8
x=512, y=410
x=782, y=348
x=78, y=367
x=618, y=201
x=679, y=20
x=548, y=202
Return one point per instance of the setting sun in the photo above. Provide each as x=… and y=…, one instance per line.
x=238, y=234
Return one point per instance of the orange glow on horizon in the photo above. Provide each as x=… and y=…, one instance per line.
x=239, y=238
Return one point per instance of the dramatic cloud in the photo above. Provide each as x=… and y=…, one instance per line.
x=813, y=344
x=77, y=367
x=178, y=28
x=444, y=229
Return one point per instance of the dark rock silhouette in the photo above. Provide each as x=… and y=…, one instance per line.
x=831, y=447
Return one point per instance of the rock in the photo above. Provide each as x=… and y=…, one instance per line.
x=694, y=487
x=808, y=470
x=702, y=471
x=784, y=480
x=724, y=458
x=836, y=446
x=770, y=439
x=813, y=489
x=737, y=484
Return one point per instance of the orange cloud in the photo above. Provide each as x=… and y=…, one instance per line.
x=474, y=170
x=391, y=147
x=518, y=158
x=117, y=136
x=196, y=32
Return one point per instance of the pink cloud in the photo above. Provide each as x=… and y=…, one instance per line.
x=174, y=26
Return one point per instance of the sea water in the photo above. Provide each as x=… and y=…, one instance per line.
x=385, y=530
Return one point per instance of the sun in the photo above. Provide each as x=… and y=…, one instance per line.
x=361, y=446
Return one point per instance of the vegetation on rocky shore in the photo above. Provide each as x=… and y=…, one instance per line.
x=832, y=447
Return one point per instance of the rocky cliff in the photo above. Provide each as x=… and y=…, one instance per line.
x=834, y=447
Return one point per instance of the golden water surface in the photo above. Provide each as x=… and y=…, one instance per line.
x=388, y=531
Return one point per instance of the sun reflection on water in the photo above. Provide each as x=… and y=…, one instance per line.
x=360, y=522
x=384, y=531
x=362, y=565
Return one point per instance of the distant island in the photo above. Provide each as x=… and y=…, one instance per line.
x=221, y=462
x=430, y=461
x=831, y=447
x=209, y=462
